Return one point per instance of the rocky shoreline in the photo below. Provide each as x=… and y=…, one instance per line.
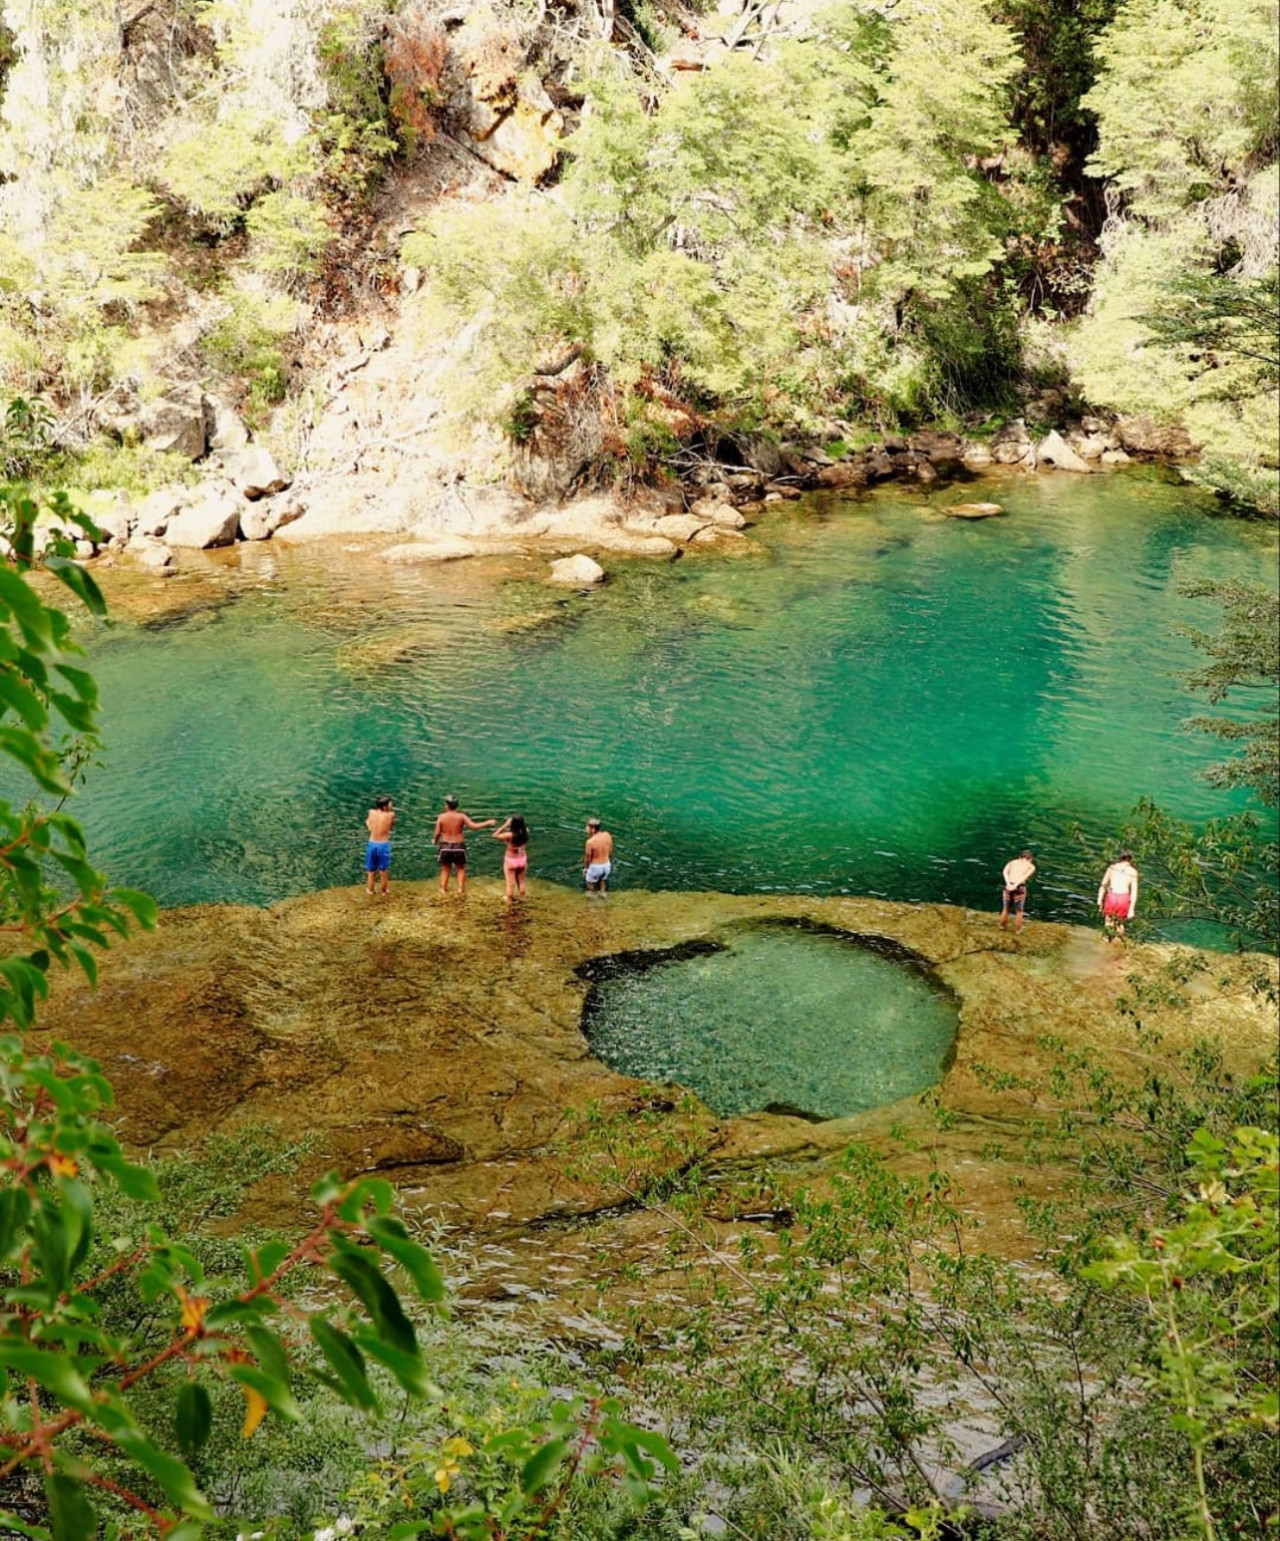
x=245, y=496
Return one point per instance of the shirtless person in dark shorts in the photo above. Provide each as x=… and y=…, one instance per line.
x=1017, y=874
x=451, y=837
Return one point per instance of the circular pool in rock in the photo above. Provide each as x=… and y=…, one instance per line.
x=775, y=1018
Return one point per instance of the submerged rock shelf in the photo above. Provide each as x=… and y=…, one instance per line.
x=440, y=1043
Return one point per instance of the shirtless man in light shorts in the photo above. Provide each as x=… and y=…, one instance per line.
x=597, y=858
x=1017, y=874
x=1118, y=894
x=451, y=837
x=378, y=853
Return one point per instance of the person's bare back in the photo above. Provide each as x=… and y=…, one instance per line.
x=597, y=858
x=380, y=822
x=451, y=838
x=599, y=847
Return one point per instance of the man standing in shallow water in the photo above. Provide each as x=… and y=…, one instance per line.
x=597, y=858
x=378, y=854
x=451, y=837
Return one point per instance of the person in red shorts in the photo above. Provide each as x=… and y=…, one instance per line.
x=1118, y=894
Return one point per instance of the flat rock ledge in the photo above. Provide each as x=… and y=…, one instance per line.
x=437, y=1042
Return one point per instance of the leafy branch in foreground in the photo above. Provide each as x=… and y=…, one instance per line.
x=108, y=1406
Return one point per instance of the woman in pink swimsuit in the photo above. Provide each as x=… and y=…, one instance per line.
x=515, y=834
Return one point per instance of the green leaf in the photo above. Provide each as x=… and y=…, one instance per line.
x=55, y=1372
x=141, y=906
x=20, y=698
x=10, y=1522
x=70, y=1513
x=275, y=1393
x=81, y=584
x=416, y=1261
x=176, y=1482
x=542, y=1465
x=192, y=1417
x=376, y=1295
x=135, y=1182
x=15, y=1211
x=408, y=1369
x=346, y=1361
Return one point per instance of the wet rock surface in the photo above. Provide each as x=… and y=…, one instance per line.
x=439, y=1040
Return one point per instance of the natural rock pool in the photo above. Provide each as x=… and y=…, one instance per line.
x=774, y=1019
x=878, y=700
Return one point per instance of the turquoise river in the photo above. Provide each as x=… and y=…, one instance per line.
x=879, y=701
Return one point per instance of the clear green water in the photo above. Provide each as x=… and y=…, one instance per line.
x=780, y=1018
x=884, y=702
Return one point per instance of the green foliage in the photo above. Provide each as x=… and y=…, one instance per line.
x=355, y=132
x=1187, y=287
x=28, y=437
x=1209, y=1284
x=772, y=235
x=217, y=170
x=288, y=235
x=248, y=341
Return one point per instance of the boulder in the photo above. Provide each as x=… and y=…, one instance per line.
x=977, y=457
x=116, y=520
x=153, y=556
x=227, y=430
x=1115, y=457
x=214, y=520
x=784, y=490
x=1143, y=434
x=449, y=548
x=579, y=571
x=972, y=510
x=714, y=534
x=1011, y=446
x=924, y=471
x=1054, y=450
x=177, y=423
x=845, y=473
x=1091, y=446
x=511, y=122
x=157, y=508
x=253, y=472
x=261, y=520
x=879, y=465
x=716, y=510
x=638, y=543
x=941, y=448
x=119, y=413
x=679, y=527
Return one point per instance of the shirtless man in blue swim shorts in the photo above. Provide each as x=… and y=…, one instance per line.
x=377, y=856
x=597, y=858
x=451, y=838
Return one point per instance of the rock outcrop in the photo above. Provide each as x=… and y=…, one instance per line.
x=226, y=1014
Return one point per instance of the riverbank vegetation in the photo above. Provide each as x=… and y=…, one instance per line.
x=792, y=221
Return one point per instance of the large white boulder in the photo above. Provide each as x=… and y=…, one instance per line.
x=579, y=571
x=227, y=430
x=1054, y=450
x=213, y=520
x=261, y=520
x=152, y=555
x=253, y=472
x=154, y=512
